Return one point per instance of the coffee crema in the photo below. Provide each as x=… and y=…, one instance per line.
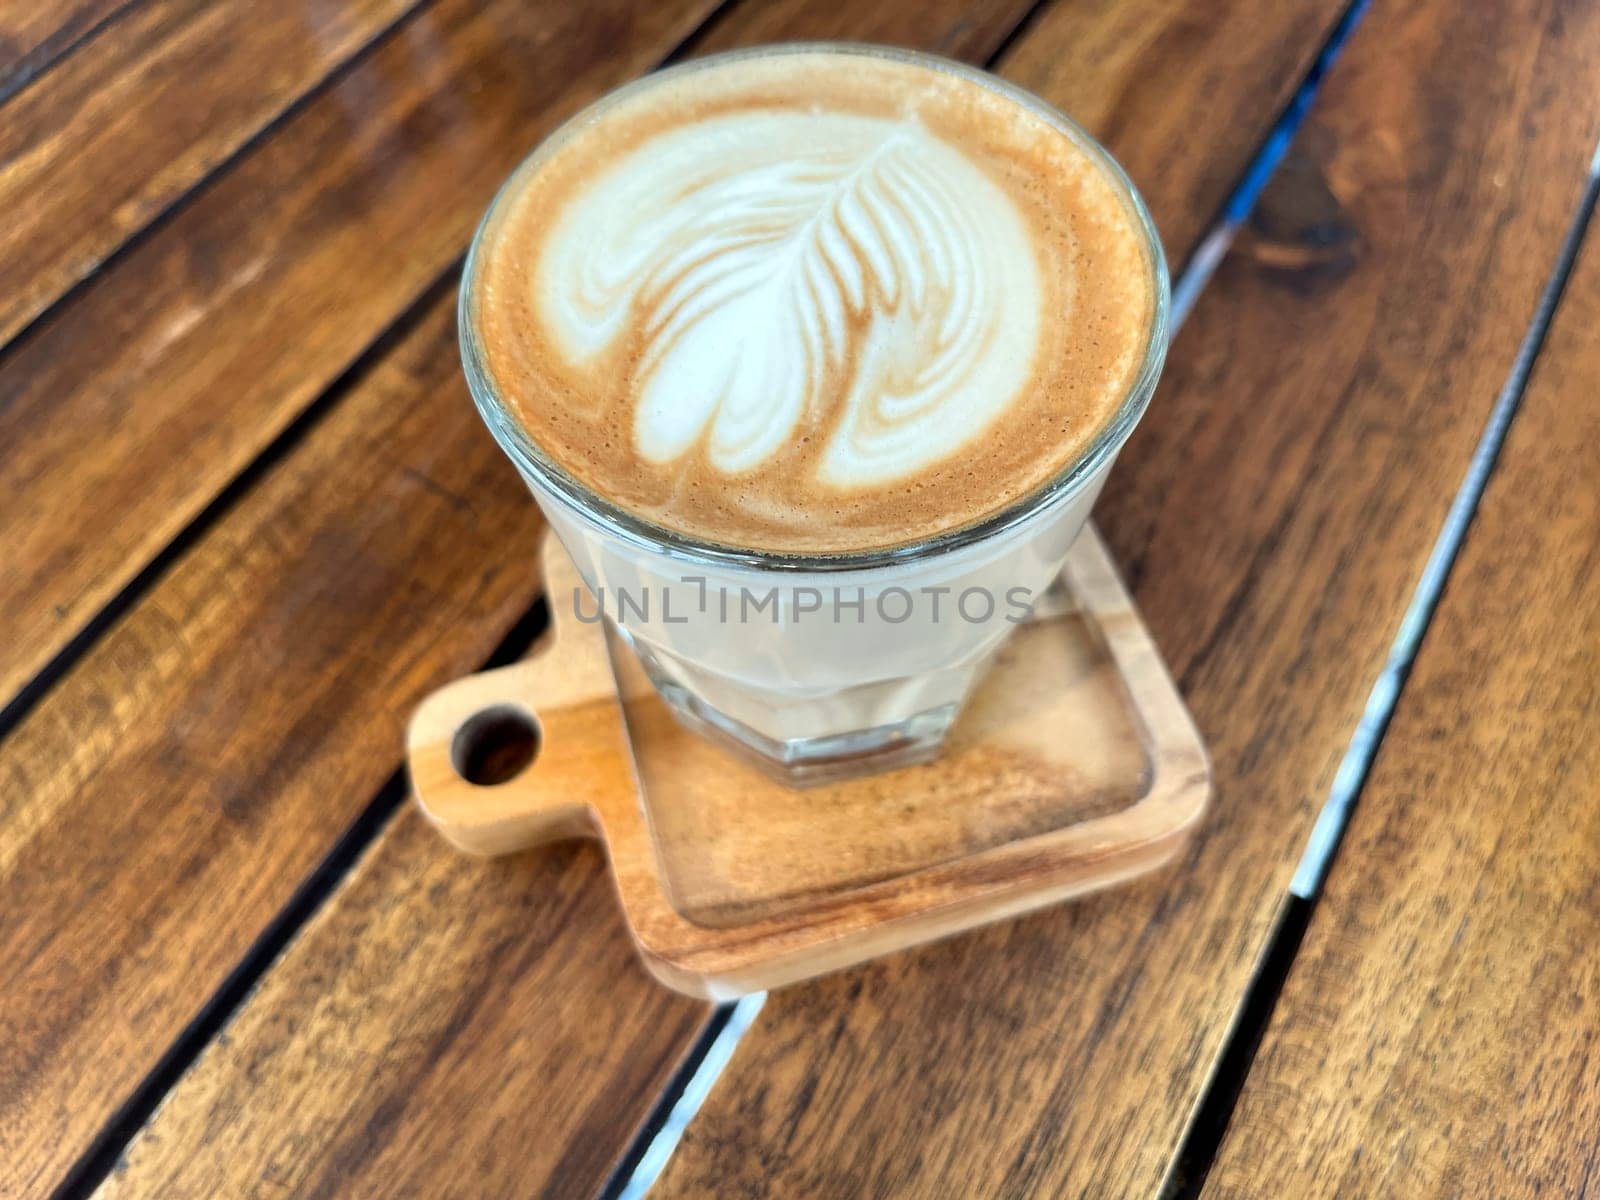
x=812, y=302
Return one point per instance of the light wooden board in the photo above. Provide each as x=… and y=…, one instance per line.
x=1439, y=1033
x=1073, y=767
x=1272, y=515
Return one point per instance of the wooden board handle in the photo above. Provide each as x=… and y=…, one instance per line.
x=562, y=701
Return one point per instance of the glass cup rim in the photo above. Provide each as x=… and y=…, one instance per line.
x=612, y=518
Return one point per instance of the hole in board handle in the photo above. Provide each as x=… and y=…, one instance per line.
x=495, y=746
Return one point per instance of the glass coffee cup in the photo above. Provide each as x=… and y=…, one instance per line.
x=815, y=665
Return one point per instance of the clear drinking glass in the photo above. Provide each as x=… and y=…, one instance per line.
x=818, y=667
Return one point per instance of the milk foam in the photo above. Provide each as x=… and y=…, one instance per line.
x=813, y=302
x=785, y=271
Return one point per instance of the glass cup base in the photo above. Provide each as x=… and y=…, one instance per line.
x=811, y=762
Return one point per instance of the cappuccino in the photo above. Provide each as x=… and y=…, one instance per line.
x=813, y=302
x=815, y=358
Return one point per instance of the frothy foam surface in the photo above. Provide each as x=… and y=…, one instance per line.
x=812, y=302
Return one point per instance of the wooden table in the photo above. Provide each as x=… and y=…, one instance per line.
x=248, y=518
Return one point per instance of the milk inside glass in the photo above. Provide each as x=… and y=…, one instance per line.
x=807, y=668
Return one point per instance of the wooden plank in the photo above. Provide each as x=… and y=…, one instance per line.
x=187, y=1146
x=962, y=29
x=139, y=115
x=1133, y=73
x=447, y=1026
x=160, y=804
x=1437, y=1035
x=32, y=34
x=132, y=404
x=307, y=226
x=1273, y=514
x=1142, y=76
x=253, y=700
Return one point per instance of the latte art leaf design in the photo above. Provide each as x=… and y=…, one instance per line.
x=788, y=275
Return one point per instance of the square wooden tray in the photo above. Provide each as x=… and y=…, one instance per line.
x=1074, y=766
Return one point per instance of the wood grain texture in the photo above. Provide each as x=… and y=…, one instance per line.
x=1273, y=513
x=447, y=1027
x=161, y=803
x=1149, y=78
x=1438, y=1033
x=140, y=114
x=309, y=790
x=158, y=808
x=32, y=34
x=1139, y=75
x=404, y=151
x=129, y=407
x=971, y=30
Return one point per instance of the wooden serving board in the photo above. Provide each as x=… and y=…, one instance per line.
x=1074, y=766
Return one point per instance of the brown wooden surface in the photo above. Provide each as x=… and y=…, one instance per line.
x=1072, y=767
x=72, y=747
x=163, y=799
x=1438, y=1034
x=427, y=1038
x=160, y=805
x=130, y=406
x=256, y=695
x=405, y=150
x=955, y=28
x=34, y=33
x=117, y=131
x=1274, y=511
x=1181, y=92
x=389, y=156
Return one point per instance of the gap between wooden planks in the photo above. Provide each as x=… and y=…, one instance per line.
x=1437, y=1034
x=355, y=203
x=33, y=35
x=163, y=801
x=103, y=143
x=135, y=401
x=1273, y=513
x=383, y=537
